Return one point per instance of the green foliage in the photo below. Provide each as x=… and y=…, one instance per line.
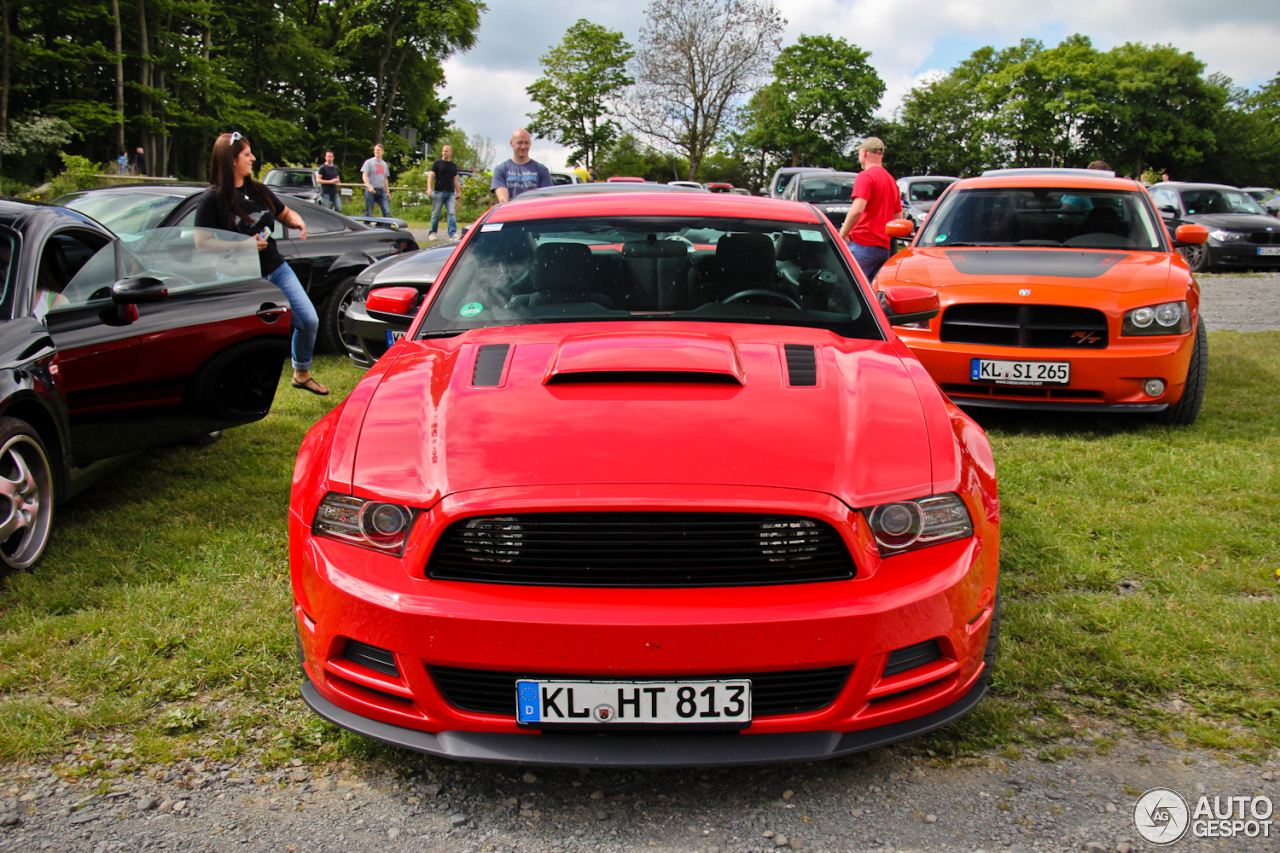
x=78, y=174
x=581, y=83
x=822, y=97
x=629, y=157
x=476, y=197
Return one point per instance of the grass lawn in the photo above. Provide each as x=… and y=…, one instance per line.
x=1139, y=576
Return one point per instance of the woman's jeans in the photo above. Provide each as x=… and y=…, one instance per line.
x=302, y=313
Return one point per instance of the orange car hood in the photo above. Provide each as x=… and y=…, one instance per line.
x=859, y=435
x=1117, y=271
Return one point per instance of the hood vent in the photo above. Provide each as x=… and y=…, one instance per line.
x=490, y=360
x=632, y=377
x=802, y=365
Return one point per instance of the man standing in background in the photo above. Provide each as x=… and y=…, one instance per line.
x=329, y=178
x=374, y=174
x=519, y=174
x=444, y=186
x=876, y=200
x=140, y=162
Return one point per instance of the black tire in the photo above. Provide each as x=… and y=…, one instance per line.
x=333, y=315
x=238, y=385
x=1184, y=412
x=1197, y=256
x=27, y=495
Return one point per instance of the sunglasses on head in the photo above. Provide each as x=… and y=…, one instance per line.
x=236, y=137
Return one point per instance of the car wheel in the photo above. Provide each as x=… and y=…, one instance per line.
x=333, y=317
x=1197, y=256
x=1184, y=412
x=26, y=495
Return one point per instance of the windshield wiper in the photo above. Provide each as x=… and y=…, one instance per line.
x=441, y=333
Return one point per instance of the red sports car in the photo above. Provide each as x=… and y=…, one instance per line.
x=645, y=466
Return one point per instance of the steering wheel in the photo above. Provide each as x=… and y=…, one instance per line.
x=760, y=291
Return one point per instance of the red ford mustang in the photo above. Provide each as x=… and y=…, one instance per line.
x=646, y=465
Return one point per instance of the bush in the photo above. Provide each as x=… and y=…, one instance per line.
x=476, y=198
x=78, y=173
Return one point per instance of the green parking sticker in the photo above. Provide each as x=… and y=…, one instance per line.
x=471, y=309
x=942, y=238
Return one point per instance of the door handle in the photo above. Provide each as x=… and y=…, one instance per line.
x=270, y=313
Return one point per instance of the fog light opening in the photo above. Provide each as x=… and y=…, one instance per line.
x=1153, y=387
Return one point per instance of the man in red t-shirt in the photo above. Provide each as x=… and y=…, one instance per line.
x=875, y=201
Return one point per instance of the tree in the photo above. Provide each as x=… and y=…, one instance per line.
x=696, y=60
x=579, y=89
x=822, y=97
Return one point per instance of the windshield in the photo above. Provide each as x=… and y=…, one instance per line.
x=1220, y=201
x=1043, y=216
x=278, y=178
x=642, y=268
x=125, y=213
x=820, y=190
x=927, y=190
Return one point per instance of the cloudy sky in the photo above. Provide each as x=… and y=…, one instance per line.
x=909, y=40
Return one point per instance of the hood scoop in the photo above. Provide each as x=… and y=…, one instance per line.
x=646, y=357
x=802, y=365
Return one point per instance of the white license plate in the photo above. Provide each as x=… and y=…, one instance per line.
x=1269, y=250
x=540, y=703
x=1020, y=372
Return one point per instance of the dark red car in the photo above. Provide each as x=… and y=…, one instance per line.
x=108, y=349
x=646, y=466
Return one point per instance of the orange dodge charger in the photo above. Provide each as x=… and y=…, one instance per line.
x=1061, y=290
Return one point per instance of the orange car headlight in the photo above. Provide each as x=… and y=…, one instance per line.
x=1167, y=318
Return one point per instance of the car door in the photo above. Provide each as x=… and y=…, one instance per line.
x=195, y=340
x=310, y=258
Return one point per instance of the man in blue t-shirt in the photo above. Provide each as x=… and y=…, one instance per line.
x=519, y=174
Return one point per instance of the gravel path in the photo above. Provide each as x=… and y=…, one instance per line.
x=98, y=798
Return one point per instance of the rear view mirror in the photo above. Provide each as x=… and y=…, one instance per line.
x=909, y=303
x=1191, y=235
x=391, y=300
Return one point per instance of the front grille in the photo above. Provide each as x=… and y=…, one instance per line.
x=1265, y=237
x=1027, y=326
x=485, y=691
x=641, y=549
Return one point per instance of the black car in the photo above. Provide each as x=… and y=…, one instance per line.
x=337, y=247
x=831, y=192
x=370, y=334
x=919, y=192
x=299, y=183
x=1241, y=234
x=109, y=347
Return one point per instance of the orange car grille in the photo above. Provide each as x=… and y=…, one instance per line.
x=1028, y=326
x=641, y=549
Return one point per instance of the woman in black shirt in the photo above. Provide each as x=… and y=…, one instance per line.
x=236, y=202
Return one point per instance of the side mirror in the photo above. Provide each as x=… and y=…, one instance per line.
x=899, y=228
x=909, y=303
x=1189, y=234
x=141, y=289
x=391, y=300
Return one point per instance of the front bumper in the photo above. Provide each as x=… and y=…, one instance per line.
x=641, y=750
x=1102, y=380
x=943, y=594
x=1240, y=255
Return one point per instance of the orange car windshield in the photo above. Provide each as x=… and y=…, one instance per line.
x=1044, y=216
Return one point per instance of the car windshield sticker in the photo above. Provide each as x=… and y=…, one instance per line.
x=810, y=236
x=942, y=238
x=471, y=309
x=490, y=226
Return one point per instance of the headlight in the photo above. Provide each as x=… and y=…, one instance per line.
x=1167, y=318
x=370, y=524
x=1227, y=236
x=908, y=525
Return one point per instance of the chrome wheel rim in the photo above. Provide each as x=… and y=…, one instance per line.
x=26, y=501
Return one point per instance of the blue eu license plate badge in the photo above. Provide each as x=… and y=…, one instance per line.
x=527, y=702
